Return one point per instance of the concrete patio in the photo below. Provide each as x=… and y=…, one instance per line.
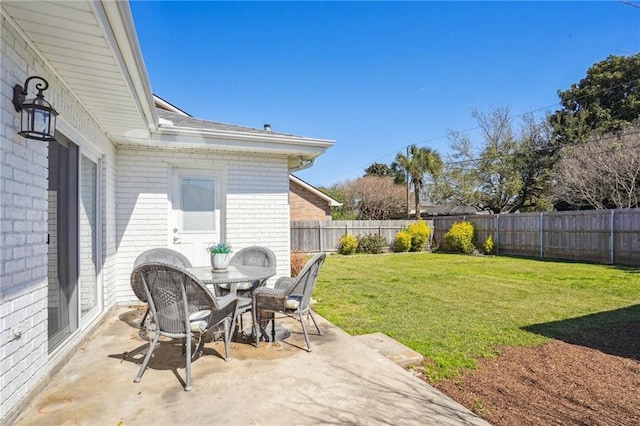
x=342, y=381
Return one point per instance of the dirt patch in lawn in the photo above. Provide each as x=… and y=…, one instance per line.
x=559, y=383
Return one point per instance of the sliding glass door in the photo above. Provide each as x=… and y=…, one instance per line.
x=63, y=240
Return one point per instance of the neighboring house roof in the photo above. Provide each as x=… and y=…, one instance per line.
x=332, y=202
x=448, y=210
x=93, y=49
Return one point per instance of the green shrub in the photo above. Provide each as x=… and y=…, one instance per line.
x=459, y=238
x=489, y=246
x=402, y=242
x=348, y=244
x=372, y=243
x=419, y=232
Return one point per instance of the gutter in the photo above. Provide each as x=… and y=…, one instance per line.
x=304, y=164
x=164, y=130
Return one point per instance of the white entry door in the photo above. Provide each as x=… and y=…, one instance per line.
x=196, y=206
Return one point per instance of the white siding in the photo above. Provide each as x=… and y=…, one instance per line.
x=134, y=214
x=24, y=361
x=257, y=203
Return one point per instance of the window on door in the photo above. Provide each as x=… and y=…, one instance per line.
x=198, y=204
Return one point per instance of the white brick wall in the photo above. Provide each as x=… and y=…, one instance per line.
x=257, y=203
x=257, y=212
x=23, y=221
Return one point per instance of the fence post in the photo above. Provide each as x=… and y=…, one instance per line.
x=541, y=235
x=497, y=233
x=320, y=236
x=613, y=237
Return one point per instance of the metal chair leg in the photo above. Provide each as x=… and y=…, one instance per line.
x=228, y=329
x=152, y=346
x=273, y=326
x=304, y=330
x=187, y=386
x=144, y=318
x=315, y=323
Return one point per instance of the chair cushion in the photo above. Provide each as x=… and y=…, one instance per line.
x=293, y=302
x=199, y=321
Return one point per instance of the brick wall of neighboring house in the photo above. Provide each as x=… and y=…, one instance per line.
x=307, y=206
x=255, y=196
x=25, y=361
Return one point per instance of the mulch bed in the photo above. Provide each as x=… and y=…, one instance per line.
x=592, y=380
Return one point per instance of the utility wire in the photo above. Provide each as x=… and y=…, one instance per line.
x=551, y=148
x=426, y=141
x=629, y=3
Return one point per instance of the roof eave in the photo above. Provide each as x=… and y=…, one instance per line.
x=117, y=16
x=332, y=202
x=224, y=140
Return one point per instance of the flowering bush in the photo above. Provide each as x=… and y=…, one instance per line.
x=489, y=246
x=402, y=242
x=459, y=238
x=348, y=244
x=221, y=247
x=419, y=232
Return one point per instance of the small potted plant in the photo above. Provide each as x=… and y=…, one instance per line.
x=220, y=255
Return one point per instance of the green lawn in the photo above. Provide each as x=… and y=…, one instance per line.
x=454, y=309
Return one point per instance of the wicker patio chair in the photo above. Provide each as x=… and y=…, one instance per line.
x=161, y=255
x=250, y=256
x=290, y=296
x=182, y=307
x=254, y=256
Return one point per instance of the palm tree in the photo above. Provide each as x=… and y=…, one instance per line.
x=418, y=162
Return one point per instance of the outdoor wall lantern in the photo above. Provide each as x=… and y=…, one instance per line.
x=38, y=117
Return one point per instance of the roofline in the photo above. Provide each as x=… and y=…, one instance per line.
x=51, y=67
x=169, y=106
x=242, y=135
x=297, y=150
x=116, y=16
x=332, y=202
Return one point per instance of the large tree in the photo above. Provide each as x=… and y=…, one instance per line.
x=417, y=163
x=345, y=211
x=534, y=164
x=607, y=100
x=509, y=172
x=381, y=169
x=601, y=173
x=375, y=197
x=378, y=169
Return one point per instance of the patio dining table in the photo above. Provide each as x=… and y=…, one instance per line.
x=235, y=278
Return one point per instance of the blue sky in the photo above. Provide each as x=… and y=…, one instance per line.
x=373, y=76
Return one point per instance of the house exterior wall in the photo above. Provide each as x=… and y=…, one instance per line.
x=24, y=360
x=306, y=205
x=256, y=199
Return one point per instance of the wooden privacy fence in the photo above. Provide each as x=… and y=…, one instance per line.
x=603, y=236
x=315, y=236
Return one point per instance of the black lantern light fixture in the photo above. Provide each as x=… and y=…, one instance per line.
x=38, y=117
